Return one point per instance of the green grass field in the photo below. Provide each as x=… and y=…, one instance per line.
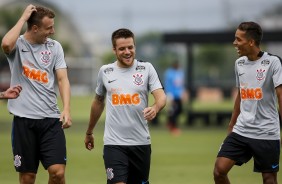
x=188, y=158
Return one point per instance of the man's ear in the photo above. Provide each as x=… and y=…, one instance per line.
x=34, y=28
x=252, y=42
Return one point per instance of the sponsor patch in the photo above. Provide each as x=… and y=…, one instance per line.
x=251, y=93
x=241, y=62
x=108, y=70
x=265, y=62
x=35, y=74
x=125, y=99
x=50, y=44
x=140, y=68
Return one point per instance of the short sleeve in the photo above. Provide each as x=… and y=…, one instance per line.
x=277, y=72
x=100, y=88
x=154, y=80
x=60, y=58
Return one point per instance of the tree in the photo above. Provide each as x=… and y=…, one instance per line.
x=8, y=18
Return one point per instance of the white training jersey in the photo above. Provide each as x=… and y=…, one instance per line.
x=257, y=80
x=126, y=91
x=33, y=66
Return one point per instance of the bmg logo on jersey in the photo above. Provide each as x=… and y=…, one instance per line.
x=251, y=93
x=125, y=99
x=34, y=74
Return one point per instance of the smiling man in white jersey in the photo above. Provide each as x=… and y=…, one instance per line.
x=254, y=128
x=35, y=61
x=125, y=84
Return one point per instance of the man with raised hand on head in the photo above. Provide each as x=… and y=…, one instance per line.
x=35, y=62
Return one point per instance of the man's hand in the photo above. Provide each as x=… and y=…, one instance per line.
x=28, y=11
x=150, y=113
x=65, y=118
x=12, y=92
x=89, y=141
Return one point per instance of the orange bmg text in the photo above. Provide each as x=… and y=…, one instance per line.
x=34, y=74
x=251, y=93
x=125, y=99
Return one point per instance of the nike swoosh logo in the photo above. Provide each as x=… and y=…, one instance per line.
x=25, y=50
x=274, y=166
x=240, y=74
x=110, y=81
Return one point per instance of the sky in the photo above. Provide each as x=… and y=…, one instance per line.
x=104, y=16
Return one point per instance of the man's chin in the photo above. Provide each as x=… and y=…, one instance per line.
x=128, y=61
x=240, y=54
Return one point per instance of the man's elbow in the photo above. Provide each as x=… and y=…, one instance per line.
x=165, y=100
x=6, y=46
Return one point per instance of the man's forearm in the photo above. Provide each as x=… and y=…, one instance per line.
x=97, y=109
x=65, y=95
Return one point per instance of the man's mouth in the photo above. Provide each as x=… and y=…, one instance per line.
x=127, y=57
x=238, y=50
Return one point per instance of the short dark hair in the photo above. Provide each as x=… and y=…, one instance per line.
x=121, y=33
x=37, y=16
x=253, y=31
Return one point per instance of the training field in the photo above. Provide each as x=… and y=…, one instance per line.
x=186, y=159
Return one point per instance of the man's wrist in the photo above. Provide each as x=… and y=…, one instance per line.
x=2, y=94
x=89, y=133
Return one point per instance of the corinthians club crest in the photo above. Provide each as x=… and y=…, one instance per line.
x=17, y=161
x=45, y=57
x=260, y=74
x=137, y=79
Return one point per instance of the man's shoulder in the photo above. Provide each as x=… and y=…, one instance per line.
x=241, y=60
x=52, y=43
x=143, y=65
x=274, y=57
x=107, y=68
x=142, y=62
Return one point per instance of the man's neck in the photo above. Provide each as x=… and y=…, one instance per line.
x=256, y=55
x=29, y=38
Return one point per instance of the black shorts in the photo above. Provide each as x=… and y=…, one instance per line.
x=128, y=164
x=35, y=140
x=266, y=153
